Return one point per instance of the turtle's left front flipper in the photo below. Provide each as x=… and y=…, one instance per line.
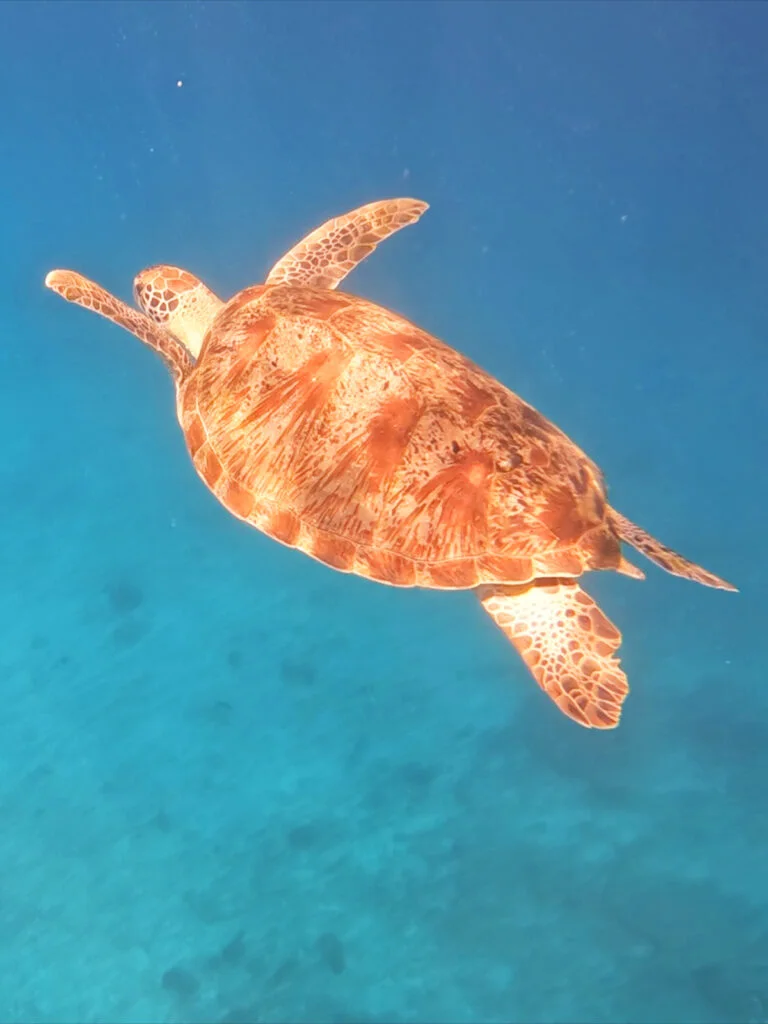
x=78, y=289
x=567, y=643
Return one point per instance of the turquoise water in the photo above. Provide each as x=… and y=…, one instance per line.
x=236, y=786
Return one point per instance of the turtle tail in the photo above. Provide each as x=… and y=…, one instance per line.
x=664, y=556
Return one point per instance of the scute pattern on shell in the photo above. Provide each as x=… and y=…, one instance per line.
x=342, y=429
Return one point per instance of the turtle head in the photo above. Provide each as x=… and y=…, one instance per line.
x=179, y=301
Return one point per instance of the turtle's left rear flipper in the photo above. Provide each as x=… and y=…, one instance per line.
x=567, y=643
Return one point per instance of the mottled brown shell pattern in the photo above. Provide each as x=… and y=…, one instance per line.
x=338, y=427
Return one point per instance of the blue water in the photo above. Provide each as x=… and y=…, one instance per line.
x=236, y=786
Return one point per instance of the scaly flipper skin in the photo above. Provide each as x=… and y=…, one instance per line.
x=664, y=556
x=567, y=643
x=324, y=258
x=178, y=301
x=78, y=289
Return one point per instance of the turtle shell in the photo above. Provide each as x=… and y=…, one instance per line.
x=337, y=427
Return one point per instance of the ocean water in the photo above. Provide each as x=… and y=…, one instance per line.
x=236, y=786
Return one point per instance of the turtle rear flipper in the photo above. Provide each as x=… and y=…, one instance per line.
x=567, y=643
x=663, y=556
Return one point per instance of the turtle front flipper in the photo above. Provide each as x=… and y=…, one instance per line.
x=567, y=643
x=78, y=289
x=178, y=301
x=324, y=258
x=663, y=556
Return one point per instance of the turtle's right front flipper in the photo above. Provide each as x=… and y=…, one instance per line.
x=325, y=256
x=78, y=289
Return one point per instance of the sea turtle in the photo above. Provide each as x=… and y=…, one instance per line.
x=339, y=428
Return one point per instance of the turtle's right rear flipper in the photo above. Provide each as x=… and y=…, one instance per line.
x=664, y=556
